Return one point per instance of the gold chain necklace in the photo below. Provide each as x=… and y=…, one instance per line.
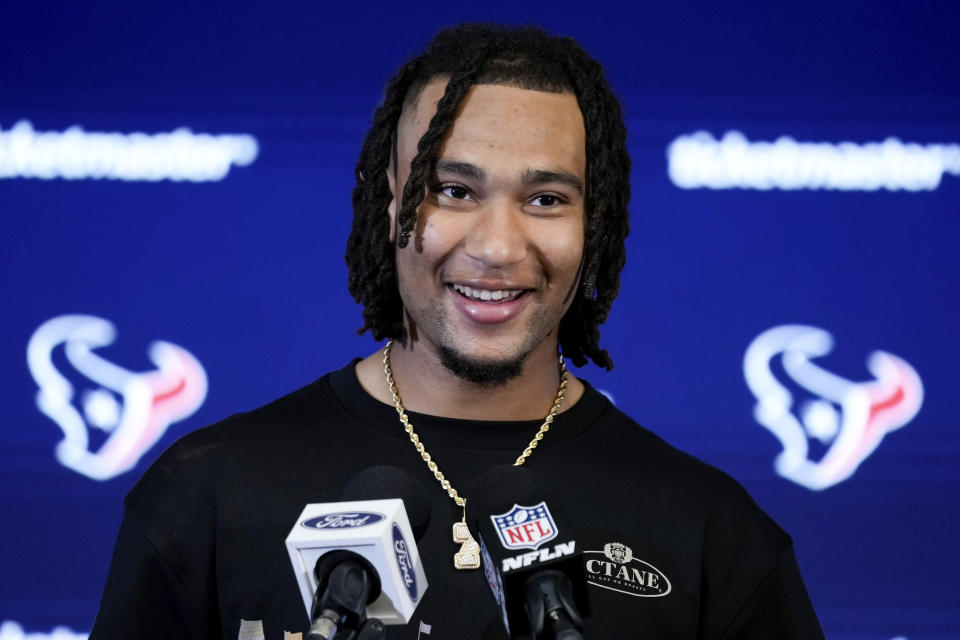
x=469, y=555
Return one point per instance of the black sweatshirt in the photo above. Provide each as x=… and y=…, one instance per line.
x=673, y=548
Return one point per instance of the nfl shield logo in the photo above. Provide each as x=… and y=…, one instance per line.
x=525, y=527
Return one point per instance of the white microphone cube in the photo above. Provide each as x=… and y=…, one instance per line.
x=379, y=531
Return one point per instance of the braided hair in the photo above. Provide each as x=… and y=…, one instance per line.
x=524, y=57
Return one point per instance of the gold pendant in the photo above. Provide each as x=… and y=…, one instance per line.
x=469, y=555
x=461, y=532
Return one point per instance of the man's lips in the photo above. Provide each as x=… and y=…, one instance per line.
x=489, y=305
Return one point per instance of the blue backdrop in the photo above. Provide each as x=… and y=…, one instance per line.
x=813, y=223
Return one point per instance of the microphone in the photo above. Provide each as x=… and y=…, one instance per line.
x=356, y=561
x=530, y=555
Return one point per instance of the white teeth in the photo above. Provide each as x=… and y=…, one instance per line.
x=487, y=294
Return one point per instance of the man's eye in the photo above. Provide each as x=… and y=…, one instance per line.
x=455, y=191
x=547, y=200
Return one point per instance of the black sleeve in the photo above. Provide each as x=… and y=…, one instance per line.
x=751, y=586
x=778, y=609
x=162, y=579
x=144, y=598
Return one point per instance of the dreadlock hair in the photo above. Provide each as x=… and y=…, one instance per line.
x=524, y=57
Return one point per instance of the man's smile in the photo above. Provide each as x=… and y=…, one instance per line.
x=489, y=305
x=494, y=296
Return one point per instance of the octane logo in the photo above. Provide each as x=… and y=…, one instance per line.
x=149, y=401
x=848, y=418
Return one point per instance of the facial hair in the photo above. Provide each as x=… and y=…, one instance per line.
x=484, y=373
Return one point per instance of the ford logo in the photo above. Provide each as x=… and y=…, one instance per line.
x=405, y=563
x=343, y=520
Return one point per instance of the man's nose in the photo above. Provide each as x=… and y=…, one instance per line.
x=498, y=235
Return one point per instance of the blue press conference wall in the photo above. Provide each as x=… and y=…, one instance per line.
x=243, y=275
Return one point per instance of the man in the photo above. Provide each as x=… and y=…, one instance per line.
x=490, y=217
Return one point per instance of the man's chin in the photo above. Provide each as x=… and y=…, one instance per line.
x=483, y=372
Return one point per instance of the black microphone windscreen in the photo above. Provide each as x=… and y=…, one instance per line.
x=384, y=482
x=524, y=534
x=499, y=488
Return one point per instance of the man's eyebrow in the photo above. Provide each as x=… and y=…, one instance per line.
x=561, y=177
x=530, y=176
x=464, y=169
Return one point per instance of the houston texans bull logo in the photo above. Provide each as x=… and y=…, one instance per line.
x=848, y=418
x=151, y=400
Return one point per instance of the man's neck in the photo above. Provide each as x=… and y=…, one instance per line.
x=428, y=387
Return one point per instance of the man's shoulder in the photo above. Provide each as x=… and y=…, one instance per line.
x=631, y=439
x=258, y=441
x=294, y=409
x=669, y=473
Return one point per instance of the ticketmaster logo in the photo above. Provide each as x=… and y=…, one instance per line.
x=75, y=154
x=701, y=161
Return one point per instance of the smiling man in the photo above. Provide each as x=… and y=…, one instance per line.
x=490, y=214
x=498, y=247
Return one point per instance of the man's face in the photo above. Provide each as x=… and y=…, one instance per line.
x=495, y=257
